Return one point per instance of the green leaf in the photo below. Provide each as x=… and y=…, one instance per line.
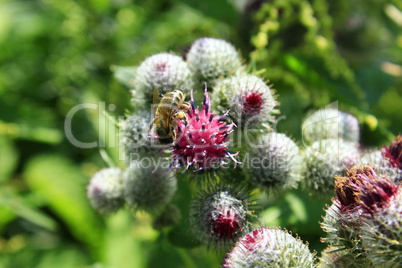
x=32, y=256
x=181, y=236
x=13, y=205
x=8, y=158
x=122, y=248
x=6, y=216
x=106, y=125
x=62, y=186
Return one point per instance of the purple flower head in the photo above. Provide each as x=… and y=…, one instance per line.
x=202, y=138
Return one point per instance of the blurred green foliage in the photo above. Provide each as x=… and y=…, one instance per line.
x=58, y=54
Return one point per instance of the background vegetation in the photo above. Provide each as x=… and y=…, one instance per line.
x=57, y=54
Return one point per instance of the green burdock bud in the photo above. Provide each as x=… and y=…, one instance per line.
x=220, y=215
x=381, y=164
x=275, y=163
x=105, y=190
x=269, y=247
x=211, y=58
x=249, y=99
x=333, y=257
x=164, y=72
x=331, y=123
x=135, y=138
x=148, y=186
x=324, y=160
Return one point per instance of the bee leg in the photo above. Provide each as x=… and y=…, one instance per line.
x=179, y=115
x=184, y=106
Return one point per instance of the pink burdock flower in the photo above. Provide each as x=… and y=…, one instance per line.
x=202, y=138
x=394, y=152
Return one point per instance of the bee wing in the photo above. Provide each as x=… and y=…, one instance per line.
x=155, y=98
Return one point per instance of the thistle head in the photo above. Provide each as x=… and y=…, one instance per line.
x=269, y=247
x=211, y=58
x=148, y=186
x=329, y=123
x=202, y=139
x=248, y=97
x=220, y=214
x=375, y=203
x=361, y=197
x=105, y=190
x=276, y=163
x=134, y=136
x=163, y=71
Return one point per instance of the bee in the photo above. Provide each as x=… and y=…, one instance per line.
x=168, y=110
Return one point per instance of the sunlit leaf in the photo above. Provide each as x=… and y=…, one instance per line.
x=8, y=158
x=18, y=206
x=62, y=186
x=122, y=248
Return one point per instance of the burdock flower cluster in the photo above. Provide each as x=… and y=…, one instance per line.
x=188, y=128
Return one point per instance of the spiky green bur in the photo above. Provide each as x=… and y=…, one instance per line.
x=342, y=229
x=135, y=138
x=219, y=215
x=333, y=257
x=365, y=218
x=105, y=190
x=165, y=72
x=274, y=163
x=248, y=98
x=325, y=159
x=210, y=58
x=269, y=247
x=382, y=233
x=331, y=123
x=381, y=164
x=148, y=187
